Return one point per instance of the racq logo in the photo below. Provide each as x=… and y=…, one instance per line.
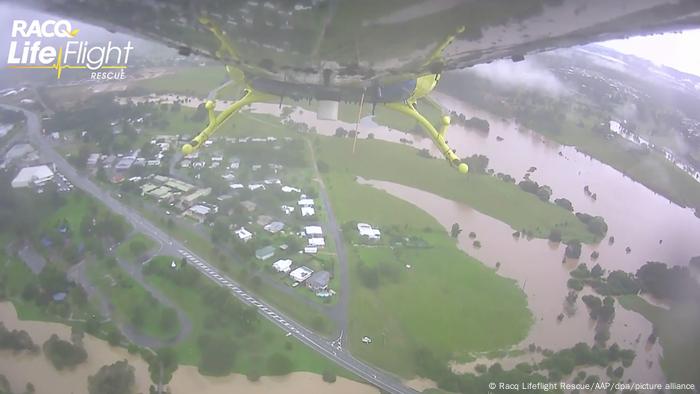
x=27, y=51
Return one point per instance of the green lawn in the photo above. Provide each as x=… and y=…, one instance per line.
x=650, y=169
x=447, y=301
x=130, y=299
x=391, y=162
x=678, y=333
x=195, y=81
x=253, y=350
x=126, y=249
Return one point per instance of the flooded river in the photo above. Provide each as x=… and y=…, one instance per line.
x=650, y=225
x=537, y=267
x=20, y=369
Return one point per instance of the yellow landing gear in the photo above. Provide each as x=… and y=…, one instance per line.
x=424, y=85
x=250, y=96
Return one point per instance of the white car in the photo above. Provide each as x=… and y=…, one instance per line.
x=366, y=340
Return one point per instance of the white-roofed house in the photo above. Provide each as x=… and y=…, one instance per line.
x=317, y=242
x=274, y=227
x=313, y=231
x=301, y=274
x=282, y=265
x=198, y=212
x=368, y=232
x=243, y=234
x=27, y=176
x=306, y=202
x=307, y=211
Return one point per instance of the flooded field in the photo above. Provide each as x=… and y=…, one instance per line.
x=20, y=369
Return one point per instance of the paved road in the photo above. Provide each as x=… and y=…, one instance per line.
x=331, y=350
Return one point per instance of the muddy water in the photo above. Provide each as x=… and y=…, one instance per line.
x=537, y=268
x=637, y=217
x=20, y=369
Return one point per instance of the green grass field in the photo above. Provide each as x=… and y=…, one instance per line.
x=503, y=201
x=678, y=333
x=130, y=299
x=195, y=81
x=252, y=350
x=447, y=301
x=125, y=250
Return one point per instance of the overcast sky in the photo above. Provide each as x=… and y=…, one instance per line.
x=676, y=50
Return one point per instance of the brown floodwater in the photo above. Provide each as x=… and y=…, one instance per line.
x=23, y=368
x=537, y=268
x=654, y=228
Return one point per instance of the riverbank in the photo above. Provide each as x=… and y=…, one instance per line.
x=20, y=369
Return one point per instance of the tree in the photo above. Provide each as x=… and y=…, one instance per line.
x=163, y=365
x=573, y=249
x=279, y=364
x=218, y=355
x=564, y=203
x=137, y=248
x=329, y=376
x=16, y=340
x=454, y=232
x=555, y=235
x=117, y=378
x=63, y=354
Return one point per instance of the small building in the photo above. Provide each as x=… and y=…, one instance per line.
x=256, y=186
x=317, y=242
x=368, y=232
x=301, y=274
x=243, y=234
x=310, y=250
x=313, y=231
x=319, y=281
x=289, y=189
x=282, y=265
x=265, y=253
x=274, y=227
x=124, y=163
x=198, y=212
x=92, y=159
x=37, y=175
x=307, y=211
x=287, y=209
x=306, y=202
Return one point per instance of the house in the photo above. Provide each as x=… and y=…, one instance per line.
x=235, y=186
x=307, y=211
x=282, y=265
x=319, y=280
x=198, y=212
x=189, y=199
x=243, y=234
x=274, y=227
x=310, y=250
x=265, y=253
x=289, y=189
x=256, y=186
x=306, y=202
x=301, y=274
x=124, y=163
x=37, y=175
x=92, y=159
x=317, y=242
x=313, y=231
x=368, y=232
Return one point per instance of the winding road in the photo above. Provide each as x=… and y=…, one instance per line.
x=170, y=246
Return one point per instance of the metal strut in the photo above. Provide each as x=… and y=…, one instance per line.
x=250, y=96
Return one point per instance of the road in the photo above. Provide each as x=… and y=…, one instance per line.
x=331, y=350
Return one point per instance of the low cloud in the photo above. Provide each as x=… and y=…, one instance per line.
x=527, y=74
